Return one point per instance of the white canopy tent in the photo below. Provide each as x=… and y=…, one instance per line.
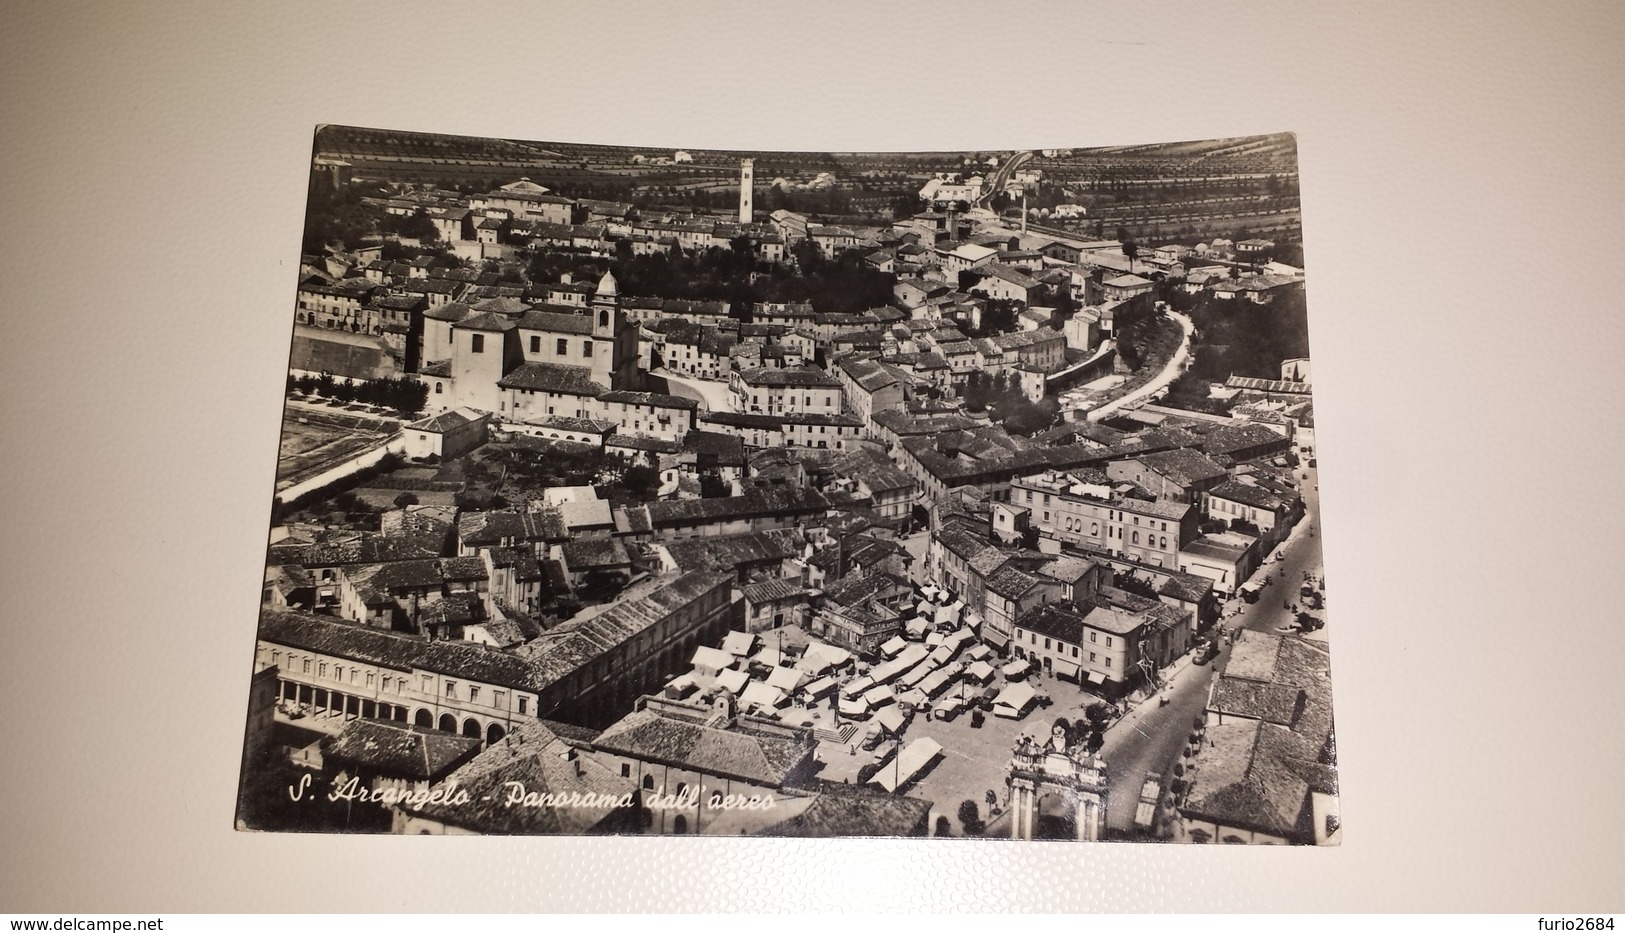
x=711, y=660
x=733, y=681
x=739, y=644
x=760, y=696
x=910, y=762
x=1013, y=700
x=786, y=679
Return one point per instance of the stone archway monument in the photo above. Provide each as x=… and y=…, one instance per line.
x=1038, y=768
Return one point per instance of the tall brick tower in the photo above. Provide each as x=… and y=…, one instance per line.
x=746, y=169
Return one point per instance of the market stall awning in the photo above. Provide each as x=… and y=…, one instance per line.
x=981, y=672
x=915, y=698
x=821, y=657
x=786, y=678
x=917, y=673
x=711, y=659
x=819, y=687
x=879, y=696
x=733, y=681
x=1015, y=668
x=1066, y=667
x=910, y=761
x=1096, y=677
x=892, y=646
x=680, y=686
x=891, y=718
x=739, y=644
x=917, y=626
x=854, y=708
x=945, y=652
x=856, y=686
x=1013, y=699
x=995, y=637
x=934, y=684
x=761, y=696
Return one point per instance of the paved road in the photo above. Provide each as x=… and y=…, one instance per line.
x=714, y=396
x=1170, y=372
x=1298, y=553
x=1152, y=737
x=1001, y=176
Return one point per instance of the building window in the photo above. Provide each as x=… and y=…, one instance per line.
x=473, y=693
x=535, y=344
x=478, y=343
x=499, y=698
x=626, y=769
x=437, y=388
x=1108, y=662
x=1092, y=636
x=586, y=348
x=523, y=702
x=451, y=688
x=321, y=669
x=603, y=319
x=564, y=346
x=1108, y=641
x=306, y=667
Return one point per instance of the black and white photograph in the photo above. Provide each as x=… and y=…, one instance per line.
x=690, y=491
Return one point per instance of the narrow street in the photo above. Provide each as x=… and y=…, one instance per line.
x=1150, y=738
x=713, y=396
x=1170, y=372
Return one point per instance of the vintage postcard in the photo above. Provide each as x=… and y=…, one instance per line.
x=685, y=491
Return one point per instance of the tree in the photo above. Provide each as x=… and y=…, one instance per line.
x=944, y=827
x=405, y=499
x=970, y=817
x=600, y=586
x=419, y=227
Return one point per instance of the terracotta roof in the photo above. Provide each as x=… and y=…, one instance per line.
x=842, y=810
x=485, y=321
x=552, y=377
x=649, y=398
x=534, y=756
x=1182, y=465
x=746, y=755
x=790, y=376
x=415, y=753
x=1247, y=494
x=555, y=322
